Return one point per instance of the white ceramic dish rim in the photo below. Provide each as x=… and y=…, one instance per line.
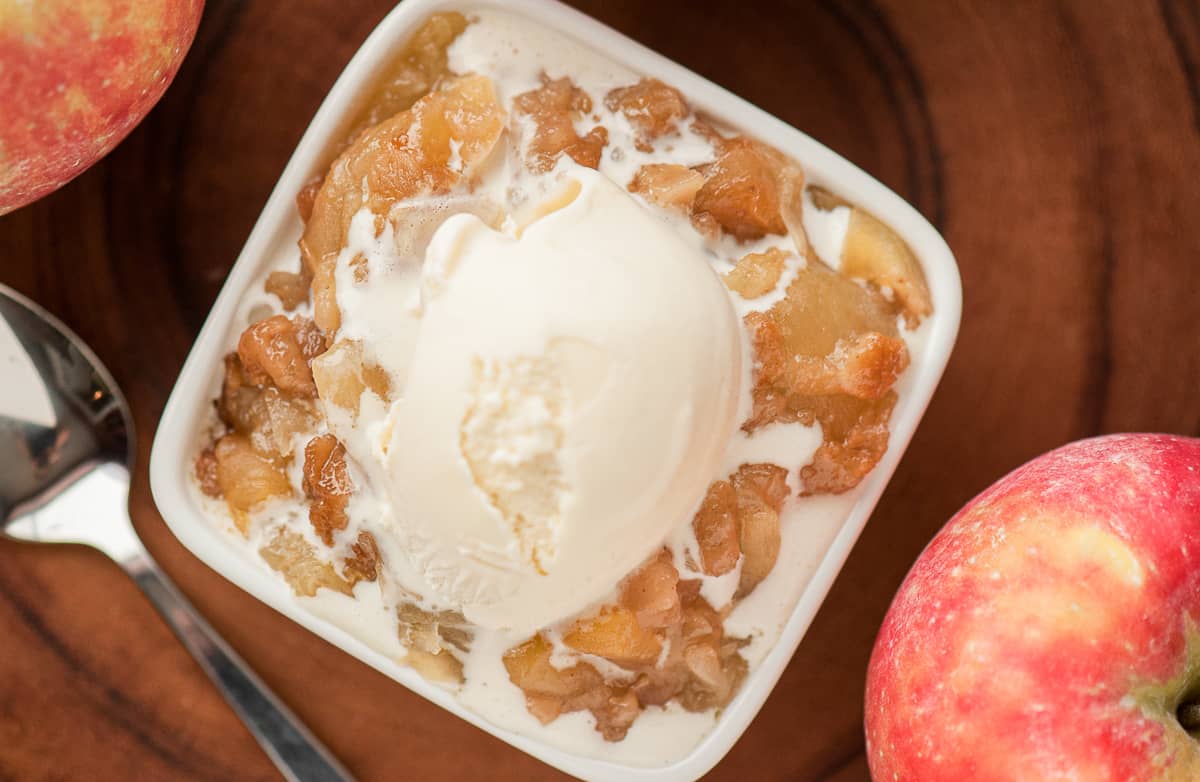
x=183, y=416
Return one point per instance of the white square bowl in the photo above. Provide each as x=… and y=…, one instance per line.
x=277, y=231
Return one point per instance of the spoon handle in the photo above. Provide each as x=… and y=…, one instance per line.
x=297, y=754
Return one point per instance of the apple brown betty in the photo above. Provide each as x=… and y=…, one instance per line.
x=828, y=352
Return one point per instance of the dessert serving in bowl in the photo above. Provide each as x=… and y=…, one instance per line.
x=556, y=383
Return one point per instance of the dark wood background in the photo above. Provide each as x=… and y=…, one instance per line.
x=1053, y=143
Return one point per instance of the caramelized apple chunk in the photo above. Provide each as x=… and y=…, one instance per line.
x=554, y=107
x=652, y=107
x=364, y=563
x=855, y=433
x=710, y=661
x=270, y=418
x=309, y=337
x=290, y=287
x=432, y=631
x=440, y=666
x=615, y=715
x=651, y=593
x=739, y=519
x=288, y=553
x=756, y=274
x=667, y=184
x=342, y=374
x=529, y=667
x=615, y=635
x=717, y=669
x=550, y=691
x=743, y=191
x=862, y=365
x=827, y=335
x=761, y=490
x=873, y=252
x=715, y=525
x=271, y=353
x=327, y=485
x=430, y=638
x=246, y=478
x=429, y=148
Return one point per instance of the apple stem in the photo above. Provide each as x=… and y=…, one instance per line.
x=1189, y=716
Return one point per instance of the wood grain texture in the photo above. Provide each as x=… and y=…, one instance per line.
x=1055, y=144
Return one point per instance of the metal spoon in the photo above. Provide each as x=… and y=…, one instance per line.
x=66, y=450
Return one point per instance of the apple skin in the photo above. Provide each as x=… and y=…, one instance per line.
x=76, y=76
x=1052, y=628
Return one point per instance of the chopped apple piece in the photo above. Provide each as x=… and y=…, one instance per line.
x=715, y=525
x=650, y=593
x=756, y=274
x=715, y=677
x=823, y=309
x=615, y=635
x=267, y=416
x=363, y=564
x=327, y=485
x=875, y=253
x=652, y=107
x=292, y=288
x=700, y=621
x=342, y=375
x=863, y=365
x=245, y=477
x=554, y=107
x=529, y=668
x=761, y=490
x=658, y=686
x=712, y=662
x=271, y=353
x=309, y=337
x=551, y=691
x=667, y=184
x=704, y=663
x=616, y=714
x=432, y=631
x=855, y=439
x=742, y=190
x=440, y=666
x=295, y=559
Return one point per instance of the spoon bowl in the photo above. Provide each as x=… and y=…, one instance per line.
x=66, y=451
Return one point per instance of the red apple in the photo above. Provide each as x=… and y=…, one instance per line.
x=1051, y=631
x=75, y=77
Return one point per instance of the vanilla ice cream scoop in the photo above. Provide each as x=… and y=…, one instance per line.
x=566, y=405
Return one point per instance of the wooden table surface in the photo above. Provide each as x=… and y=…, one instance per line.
x=1055, y=144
